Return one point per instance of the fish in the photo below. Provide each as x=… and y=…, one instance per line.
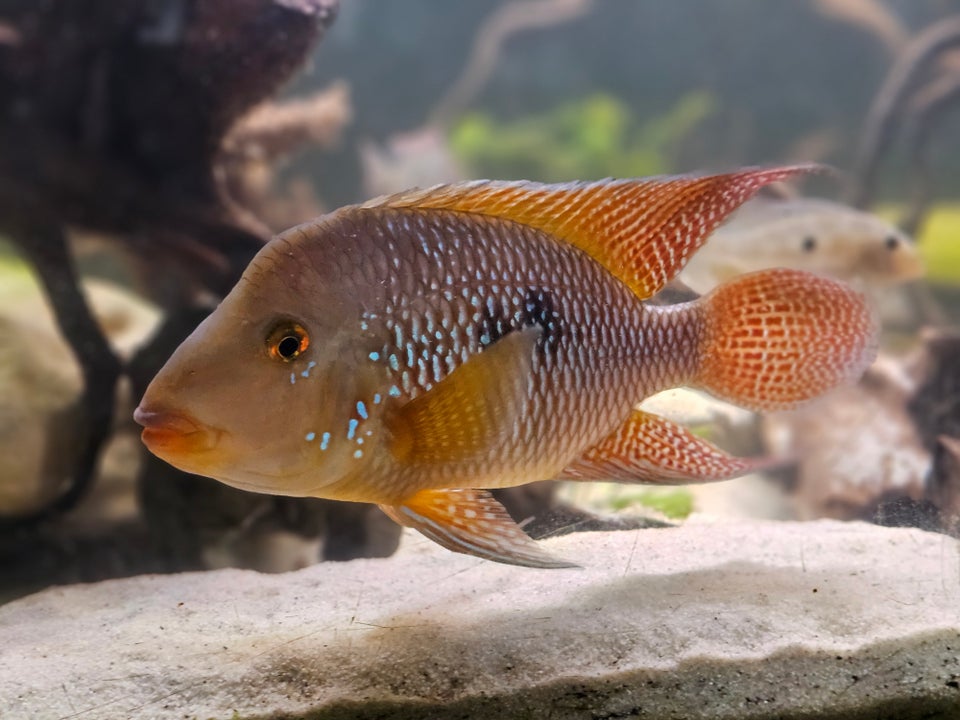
x=422, y=348
x=805, y=233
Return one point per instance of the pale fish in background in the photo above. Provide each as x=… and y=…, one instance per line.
x=421, y=348
x=810, y=234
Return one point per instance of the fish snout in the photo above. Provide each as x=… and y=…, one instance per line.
x=166, y=431
x=164, y=419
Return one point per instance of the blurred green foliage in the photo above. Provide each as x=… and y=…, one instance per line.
x=10, y=260
x=674, y=504
x=940, y=244
x=594, y=137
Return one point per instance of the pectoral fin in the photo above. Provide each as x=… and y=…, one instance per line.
x=652, y=449
x=470, y=411
x=471, y=522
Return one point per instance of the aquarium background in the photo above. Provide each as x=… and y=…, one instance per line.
x=747, y=81
x=164, y=189
x=149, y=148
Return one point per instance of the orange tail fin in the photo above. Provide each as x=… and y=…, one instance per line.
x=776, y=338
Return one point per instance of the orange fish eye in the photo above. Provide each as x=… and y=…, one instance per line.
x=287, y=341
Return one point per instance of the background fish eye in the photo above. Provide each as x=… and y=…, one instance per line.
x=809, y=243
x=892, y=242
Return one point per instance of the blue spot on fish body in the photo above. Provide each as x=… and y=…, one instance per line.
x=377, y=399
x=293, y=378
x=394, y=391
x=325, y=441
x=358, y=454
x=374, y=356
x=310, y=436
x=362, y=410
x=352, y=428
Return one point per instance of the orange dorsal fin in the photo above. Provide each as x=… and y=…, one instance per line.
x=642, y=230
x=472, y=522
x=652, y=449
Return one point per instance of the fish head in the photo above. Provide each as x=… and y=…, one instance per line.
x=246, y=398
x=852, y=244
x=889, y=255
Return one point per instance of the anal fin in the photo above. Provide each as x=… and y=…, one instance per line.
x=652, y=449
x=472, y=522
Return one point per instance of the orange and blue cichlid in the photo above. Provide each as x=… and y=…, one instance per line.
x=421, y=348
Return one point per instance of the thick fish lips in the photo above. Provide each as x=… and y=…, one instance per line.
x=168, y=433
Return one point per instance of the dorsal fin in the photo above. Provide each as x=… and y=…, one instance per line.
x=642, y=230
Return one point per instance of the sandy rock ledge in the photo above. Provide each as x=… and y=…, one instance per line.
x=745, y=620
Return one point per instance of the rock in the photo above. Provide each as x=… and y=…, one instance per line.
x=40, y=383
x=856, y=448
x=745, y=620
x=38, y=386
x=756, y=496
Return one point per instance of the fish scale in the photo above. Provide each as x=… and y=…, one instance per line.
x=596, y=317
x=422, y=348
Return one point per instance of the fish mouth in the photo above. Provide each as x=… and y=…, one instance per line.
x=910, y=268
x=166, y=432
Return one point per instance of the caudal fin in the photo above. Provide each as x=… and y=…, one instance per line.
x=776, y=338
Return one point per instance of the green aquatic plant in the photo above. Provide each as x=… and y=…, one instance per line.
x=596, y=136
x=675, y=504
x=11, y=264
x=940, y=244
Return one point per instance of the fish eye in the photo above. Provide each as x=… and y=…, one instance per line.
x=809, y=243
x=287, y=341
x=891, y=242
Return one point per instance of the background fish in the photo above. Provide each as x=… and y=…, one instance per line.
x=806, y=234
x=419, y=348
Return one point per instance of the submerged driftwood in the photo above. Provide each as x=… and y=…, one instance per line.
x=922, y=83
x=935, y=408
